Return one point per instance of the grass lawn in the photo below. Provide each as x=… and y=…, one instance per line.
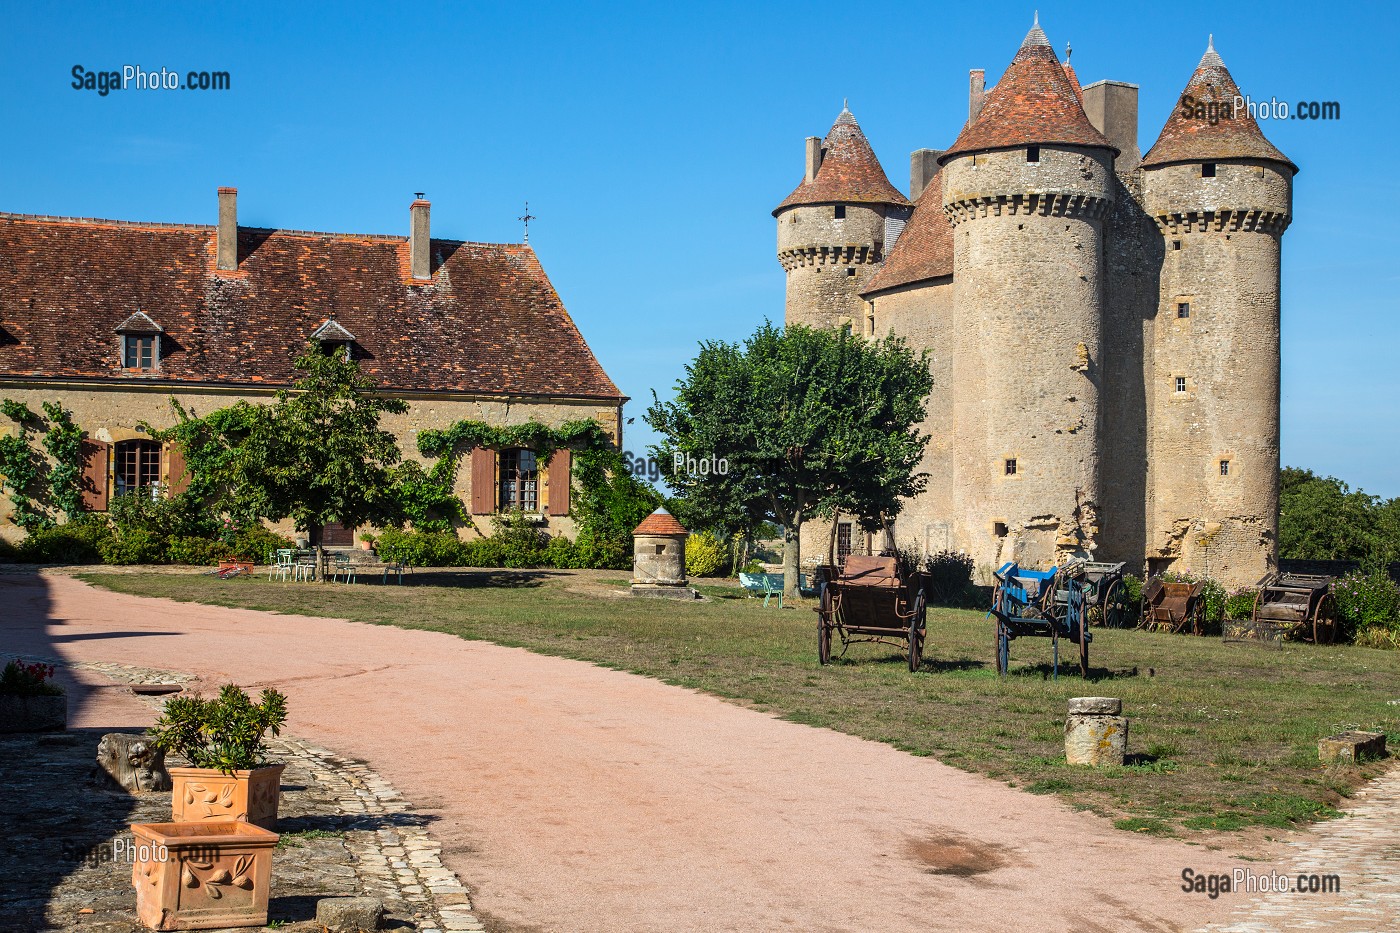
x=1223, y=738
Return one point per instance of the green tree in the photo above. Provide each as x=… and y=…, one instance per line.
x=807, y=422
x=316, y=455
x=1321, y=518
x=608, y=503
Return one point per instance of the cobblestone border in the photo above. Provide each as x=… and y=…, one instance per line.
x=396, y=859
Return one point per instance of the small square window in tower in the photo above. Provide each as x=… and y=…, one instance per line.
x=1176, y=244
x=850, y=270
x=1183, y=309
x=1181, y=383
x=1010, y=466
x=1207, y=169
x=1224, y=467
x=839, y=212
x=999, y=529
x=1033, y=154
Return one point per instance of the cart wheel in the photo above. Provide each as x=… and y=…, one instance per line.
x=1003, y=648
x=916, y=645
x=1115, y=605
x=1198, y=618
x=1325, y=621
x=823, y=641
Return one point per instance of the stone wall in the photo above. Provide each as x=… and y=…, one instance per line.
x=111, y=413
x=829, y=260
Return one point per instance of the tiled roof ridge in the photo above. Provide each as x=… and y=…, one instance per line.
x=213, y=228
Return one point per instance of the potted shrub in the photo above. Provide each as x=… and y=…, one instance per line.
x=222, y=739
x=29, y=699
x=201, y=876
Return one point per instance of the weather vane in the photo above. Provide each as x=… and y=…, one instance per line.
x=525, y=219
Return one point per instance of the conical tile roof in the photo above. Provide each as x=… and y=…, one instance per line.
x=1191, y=137
x=660, y=522
x=1034, y=104
x=849, y=172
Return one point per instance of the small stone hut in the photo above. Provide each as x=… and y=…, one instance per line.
x=658, y=553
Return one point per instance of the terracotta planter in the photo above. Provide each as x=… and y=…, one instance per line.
x=202, y=876
x=204, y=795
x=33, y=714
x=367, y=545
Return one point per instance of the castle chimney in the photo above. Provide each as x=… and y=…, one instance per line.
x=814, y=157
x=227, y=252
x=923, y=165
x=418, y=239
x=976, y=93
x=1112, y=106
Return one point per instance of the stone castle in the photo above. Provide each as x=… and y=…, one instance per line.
x=1103, y=327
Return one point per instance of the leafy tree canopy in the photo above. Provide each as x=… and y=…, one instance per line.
x=807, y=422
x=1322, y=518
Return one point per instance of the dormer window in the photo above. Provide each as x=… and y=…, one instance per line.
x=333, y=338
x=140, y=343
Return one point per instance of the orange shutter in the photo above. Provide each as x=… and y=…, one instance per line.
x=483, y=481
x=176, y=472
x=560, y=481
x=95, y=455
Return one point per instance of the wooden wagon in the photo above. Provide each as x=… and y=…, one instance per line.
x=1300, y=604
x=1173, y=607
x=1024, y=606
x=1105, y=594
x=870, y=602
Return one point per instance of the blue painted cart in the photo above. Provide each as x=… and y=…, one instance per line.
x=1024, y=606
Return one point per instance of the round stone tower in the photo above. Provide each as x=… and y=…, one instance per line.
x=1222, y=196
x=833, y=228
x=1026, y=186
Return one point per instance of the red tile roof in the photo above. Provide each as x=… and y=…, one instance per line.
x=1034, y=104
x=488, y=322
x=849, y=172
x=1192, y=138
x=660, y=522
x=924, y=250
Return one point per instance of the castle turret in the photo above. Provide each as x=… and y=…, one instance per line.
x=834, y=229
x=1221, y=195
x=1027, y=185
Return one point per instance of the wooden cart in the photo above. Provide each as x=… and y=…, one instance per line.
x=1105, y=594
x=1024, y=605
x=1173, y=607
x=1299, y=604
x=869, y=602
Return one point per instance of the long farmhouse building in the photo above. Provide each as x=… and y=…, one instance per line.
x=112, y=319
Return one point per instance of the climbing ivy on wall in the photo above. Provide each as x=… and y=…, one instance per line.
x=19, y=465
x=64, y=443
x=428, y=496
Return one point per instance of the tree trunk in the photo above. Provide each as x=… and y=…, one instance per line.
x=318, y=534
x=831, y=539
x=792, y=557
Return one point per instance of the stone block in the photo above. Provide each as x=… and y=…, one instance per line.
x=1351, y=746
x=132, y=761
x=1095, y=706
x=1096, y=740
x=349, y=914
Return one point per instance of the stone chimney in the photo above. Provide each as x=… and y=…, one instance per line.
x=814, y=157
x=976, y=93
x=923, y=165
x=228, y=230
x=1112, y=106
x=418, y=241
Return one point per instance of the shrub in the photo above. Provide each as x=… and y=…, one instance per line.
x=1368, y=599
x=483, y=552
x=178, y=516
x=198, y=551
x=420, y=548
x=224, y=733
x=134, y=546
x=753, y=566
x=704, y=555
x=562, y=553
x=605, y=553
x=73, y=543
x=522, y=542
x=949, y=577
x=1240, y=603
x=1132, y=588
x=255, y=542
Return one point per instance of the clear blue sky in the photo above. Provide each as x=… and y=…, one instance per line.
x=652, y=141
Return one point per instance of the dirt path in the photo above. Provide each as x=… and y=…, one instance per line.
x=576, y=798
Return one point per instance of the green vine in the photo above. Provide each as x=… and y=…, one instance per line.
x=64, y=443
x=19, y=465
x=210, y=446
x=427, y=497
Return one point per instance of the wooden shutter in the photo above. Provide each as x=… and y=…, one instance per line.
x=483, y=481
x=176, y=472
x=560, y=480
x=95, y=456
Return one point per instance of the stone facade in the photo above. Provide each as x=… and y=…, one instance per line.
x=1065, y=286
